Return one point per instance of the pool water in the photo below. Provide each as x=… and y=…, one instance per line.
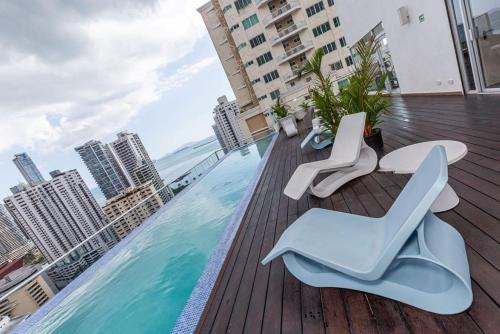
x=143, y=288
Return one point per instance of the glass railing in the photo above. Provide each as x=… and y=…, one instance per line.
x=280, y=11
x=42, y=280
x=301, y=48
x=288, y=31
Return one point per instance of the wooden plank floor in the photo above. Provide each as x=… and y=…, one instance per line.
x=252, y=298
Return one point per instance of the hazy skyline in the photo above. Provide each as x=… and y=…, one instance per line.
x=91, y=69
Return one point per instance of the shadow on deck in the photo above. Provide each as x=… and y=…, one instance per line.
x=249, y=297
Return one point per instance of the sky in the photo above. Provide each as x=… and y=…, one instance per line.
x=71, y=71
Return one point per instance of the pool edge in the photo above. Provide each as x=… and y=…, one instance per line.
x=192, y=311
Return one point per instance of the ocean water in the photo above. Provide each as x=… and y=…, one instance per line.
x=144, y=287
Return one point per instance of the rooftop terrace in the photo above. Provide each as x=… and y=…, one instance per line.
x=249, y=297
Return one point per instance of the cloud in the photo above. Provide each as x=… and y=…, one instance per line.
x=74, y=70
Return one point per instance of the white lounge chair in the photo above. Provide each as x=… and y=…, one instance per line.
x=409, y=255
x=289, y=124
x=350, y=158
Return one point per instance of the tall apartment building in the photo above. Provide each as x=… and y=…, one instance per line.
x=28, y=169
x=60, y=214
x=137, y=165
x=13, y=244
x=104, y=167
x=226, y=119
x=121, y=204
x=263, y=43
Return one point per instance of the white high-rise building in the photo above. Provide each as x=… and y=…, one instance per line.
x=263, y=43
x=60, y=214
x=13, y=244
x=136, y=163
x=226, y=119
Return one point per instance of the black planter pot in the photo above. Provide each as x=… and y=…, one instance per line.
x=375, y=140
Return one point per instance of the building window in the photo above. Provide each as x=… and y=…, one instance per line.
x=255, y=81
x=331, y=2
x=249, y=63
x=257, y=40
x=348, y=61
x=266, y=57
x=342, y=41
x=343, y=83
x=271, y=76
x=250, y=21
x=228, y=7
x=314, y=9
x=321, y=29
x=236, y=26
x=336, y=21
x=337, y=65
x=275, y=94
x=239, y=4
x=262, y=97
x=330, y=47
x=242, y=45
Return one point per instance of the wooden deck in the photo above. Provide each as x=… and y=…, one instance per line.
x=252, y=298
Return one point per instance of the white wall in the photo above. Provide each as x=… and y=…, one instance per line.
x=423, y=52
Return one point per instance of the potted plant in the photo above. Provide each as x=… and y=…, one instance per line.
x=302, y=111
x=365, y=92
x=326, y=104
x=286, y=120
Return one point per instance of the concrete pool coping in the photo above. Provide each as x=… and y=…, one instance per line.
x=191, y=313
x=31, y=321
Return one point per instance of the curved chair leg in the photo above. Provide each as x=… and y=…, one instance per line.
x=431, y=272
x=366, y=164
x=322, y=144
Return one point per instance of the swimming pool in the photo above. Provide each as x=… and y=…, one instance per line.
x=145, y=285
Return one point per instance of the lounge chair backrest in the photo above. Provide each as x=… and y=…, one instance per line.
x=414, y=201
x=347, y=143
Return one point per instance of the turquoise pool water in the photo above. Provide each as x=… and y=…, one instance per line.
x=144, y=287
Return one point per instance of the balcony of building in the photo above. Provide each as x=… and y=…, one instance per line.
x=296, y=65
x=295, y=51
x=252, y=298
x=281, y=12
x=288, y=31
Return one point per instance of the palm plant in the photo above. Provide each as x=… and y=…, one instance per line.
x=326, y=103
x=305, y=105
x=280, y=110
x=366, y=87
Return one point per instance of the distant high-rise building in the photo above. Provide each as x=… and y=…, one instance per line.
x=121, y=204
x=13, y=244
x=226, y=119
x=137, y=165
x=28, y=169
x=104, y=167
x=219, y=137
x=60, y=214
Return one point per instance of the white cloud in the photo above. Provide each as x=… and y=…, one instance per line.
x=68, y=74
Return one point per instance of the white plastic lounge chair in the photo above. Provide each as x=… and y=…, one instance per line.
x=350, y=158
x=409, y=255
x=289, y=125
x=313, y=139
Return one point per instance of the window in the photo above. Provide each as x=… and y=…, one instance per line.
x=330, y=47
x=239, y=4
x=228, y=7
x=242, y=45
x=343, y=83
x=271, y=76
x=264, y=58
x=316, y=8
x=257, y=40
x=249, y=63
x=262, y=97
x=348, y=61
x=275, y=94
x=236, y=26
x=337, y=65
x=336, y=21
x=331, y=2
x=342, y=41
x=321, y=29
x=250, y=21
x=255, y=81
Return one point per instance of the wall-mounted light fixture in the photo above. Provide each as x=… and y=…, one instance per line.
x=404, y=15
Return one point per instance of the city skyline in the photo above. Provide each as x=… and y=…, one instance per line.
x=181, y=74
